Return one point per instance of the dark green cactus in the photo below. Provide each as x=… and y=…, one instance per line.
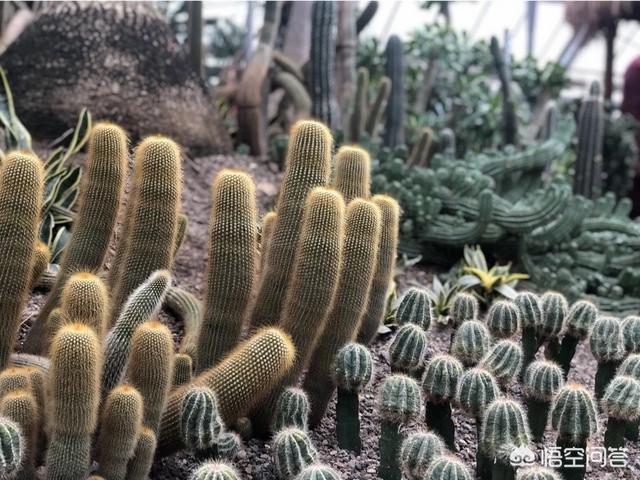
x=504, y=361
x=464, y=307
x=418, y=450
x=360, y=106
x=416, y=307
x=292, y=452
x=228, y=445
x=607, y=346
x=542, y=380
x=408, y=349
x=471, y=342
x=11, y=447
x=631, y=334
x=200, y=422
x=215, y=471
x=621, y=403
x=503, y=319
x=447, y=467
x=580, y=319
x=394, y=69
x=319, y=472
x=587, y=179
x=292, y=409
x=531, y=316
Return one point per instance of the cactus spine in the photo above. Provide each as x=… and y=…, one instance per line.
x=232, y=266
x=228, y=445
x=215, y=471
x=21, y=407
x=394, y=69
x=416, y=307
x=531, y=315
x=471, y=342
x=182, y=369
x=580, y=319
x=41, y=259
x=542, y=380
x=418, y=451
x=292, y=409
x=84, y=300
x=503, y=319
x=504, y=361
x=292, y=452
x=140, y=463
x=447, y=467
x=318, y=472
x=621, y=403
x=14, y=378
x=200, y=422
x=21, y=193
x=11, y=447
x=587, y=180
x=353, y=173
x=607, y=345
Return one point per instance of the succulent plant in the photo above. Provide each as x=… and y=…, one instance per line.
x=464, y=307
x=292, y=452
x=587, y=180
x=215, y=471
x=85, y=300
x=471, y=342
x=607, y=345
x=554, y=313
x=447, y=467
x=11, y=447
x=140, y=464
x=319, y=472
x=531, y=316
x=408, y=348
x=352, y=173
x=621, y=403
x=182, y=369
x=228, y=445
x=630, y=366
x=631, y=334
x=542, y=380
x=14, y=378
x=200, y=422
x=292, y=409
x=415, y=307
x=503, y=319
x=504, y=360
x=417, y=452
x=477, y=388
x=537, y=473
x=580, y=319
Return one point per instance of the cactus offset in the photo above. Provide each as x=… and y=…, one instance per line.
x=471, y=342
x=292, y=452
x=84, y=300
x=353, y=173
x=607, y=345
x=228, y=445
x=418, y=451
x=408, y=349
x=464, y=307
x=200, y=422
x=140, y=464
x=292, y=409
x=542, y=380
x=631, y=334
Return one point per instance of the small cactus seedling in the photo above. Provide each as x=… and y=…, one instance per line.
x=416, y=307
x=200, y=422
x=631, y=334
x=11, y=448
x=353, y=371
x=447, y=467
x=580, y=319
x=504, y=361
x=408, y=349
x=215, y=471
x=471, y=342
x=631, y=367
x=607, y=345
x=228, y=446
x=464, y=307
x=292, y=452
x=503, y=319
x=537, y=473
x=542, y=380
x=319, y=472
x=418, y=451
x=621, y=403
x=440, y=384
x=292, y=409
x=554, y=314
x=400, y=402
x=531, y=316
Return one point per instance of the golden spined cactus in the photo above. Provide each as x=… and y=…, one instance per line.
x=383, y=275
x=41, y=258
x=353, y=173
x=308, y=166
x=152, y=218
x=84, y=300
x=21, y=195
x=57, y=318
x=119, y=427
x=73, y=400
x=182, y=369
x=140, y=464
x=181, y=233
x=100, y=198
x=150, y=369
x=362, y=234
x=231, y=272
x=239, y=382
x=14, y=378
x=268, y=223
x=21, y=407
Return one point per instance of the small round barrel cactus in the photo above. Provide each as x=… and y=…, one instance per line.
x=447, y=467
x=531, y=316
x=471, y=342
x=407, y=351
x=292, y=452
x=580, y=319
x=621, y=403
x=11, y=448
x=503, y=319
x=630, y=366
x=542, y=380
x=319, y=472
x=416, y=307
x=228, y=445
x=215, y=471
x=292, y=409
x=418, y=451
x=476, y=390
x=504, y=360
x=554, y=313
x=631, y=334
x=200, y=421
x=607, y=345
x=537, y=473
x=464, y=307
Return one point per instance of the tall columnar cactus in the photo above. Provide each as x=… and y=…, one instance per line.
x=440, y=385
x=215, y=471
x=542, y=380
x=150, y=369
x=268, y=224
x=471, y=342
x=21, y=407
x=292, y=409
x=239, y=382
x=537, y=473
x=41, y=257
x=353, y=173
x=400, y=402
x=504, y=361
x=554, y=315
x=85, y=300
x=11, y=447
x=447, y=467
x=14, y=378
x=574, y=417
x=362, y=234
x=394, y=69
x=408, y=349
x=418, y=450
x=292, y=452
x=631, y=367
x=580, y=319
x=531, y=316
x=509, y=117
x=152, y=218
x=74, y=397
x=360, y=106
x=416, y=307
x=587, y=179
x=143, y=304
x=607, y=346
x=231, y=270
x=621, y=403
x=142, y=459
x=421, y=148
x=57, y=318
x=119, y=427
x=384, y=269
x=21, y=195
x=308, y=166
x=200, y=422
x=353, y=372
x=503, y=319
x=378, y=108
x=319, y=472
x=631, y=334
x=181, y=233
x=464, y=307
x=182, y=369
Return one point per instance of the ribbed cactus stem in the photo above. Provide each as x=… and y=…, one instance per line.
x=20, y=406
x=319, y=471
x=182, y=369
x=580, y=319
x=408, y=349
x=509, y=117
x=419, y=155
x=360, y=106
x=607, y=346
x=140, y=464
x=447, y=467
x=394, y=69
x=41, y=259
x=14, y=378
x=181, y=233
x=292, y=409
x=531, y=316
x=353, y=173
x=587, y=179
x=503, y=319
x=200, y=422
x=542, y=380
x=11, y=448
x=471, y=342
x=292, y=452
x=504, y=361
x=416, y=307
x=378, y=108
x=418, y=451
x=215, y=471
x=621, y=403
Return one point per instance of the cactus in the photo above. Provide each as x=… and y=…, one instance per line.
x=360, y=106
x=11, y=447
x=308, y=166
x=503, y=319
x=400, y=402
x=21, y=195
x=318, y=472
x=239, y=381
x=119, y=427
x=607, y=345
x=232, y=266
x=447, y=467
x=84, y=300
x=631, y=334
x=418, y=450
x=140, y=464
x=215, y=471
x=74, y=397
x=408, y=349
x=14, y=378
x=57, y=318
x=509, y=117
x=587, y=179
x=152, y=218
x=187, y=309
x=554, y=314
x=537, y=473
x=268, y=223
x=362, y=233
x=182, y=369
x=41, y=259
x=292, y=409
x=384, y=268
x=416, y=307
x=504, y=361
x=143, y=304
x=580, y=319
x=378, y=108
x=353, y=372
x=21, y=407
x=531, y=315
x=353, y=173
x=440, y=385
x=464, y=307
x=471, y=342
x=621, y=403
x=200, y=423
x=631, y=367
x=542, y=380
x=181, y=233
x=419, y=155
x=228, y=445
x=574, y=417
x=292, y=452
x=150, y=369
x=394, y=69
